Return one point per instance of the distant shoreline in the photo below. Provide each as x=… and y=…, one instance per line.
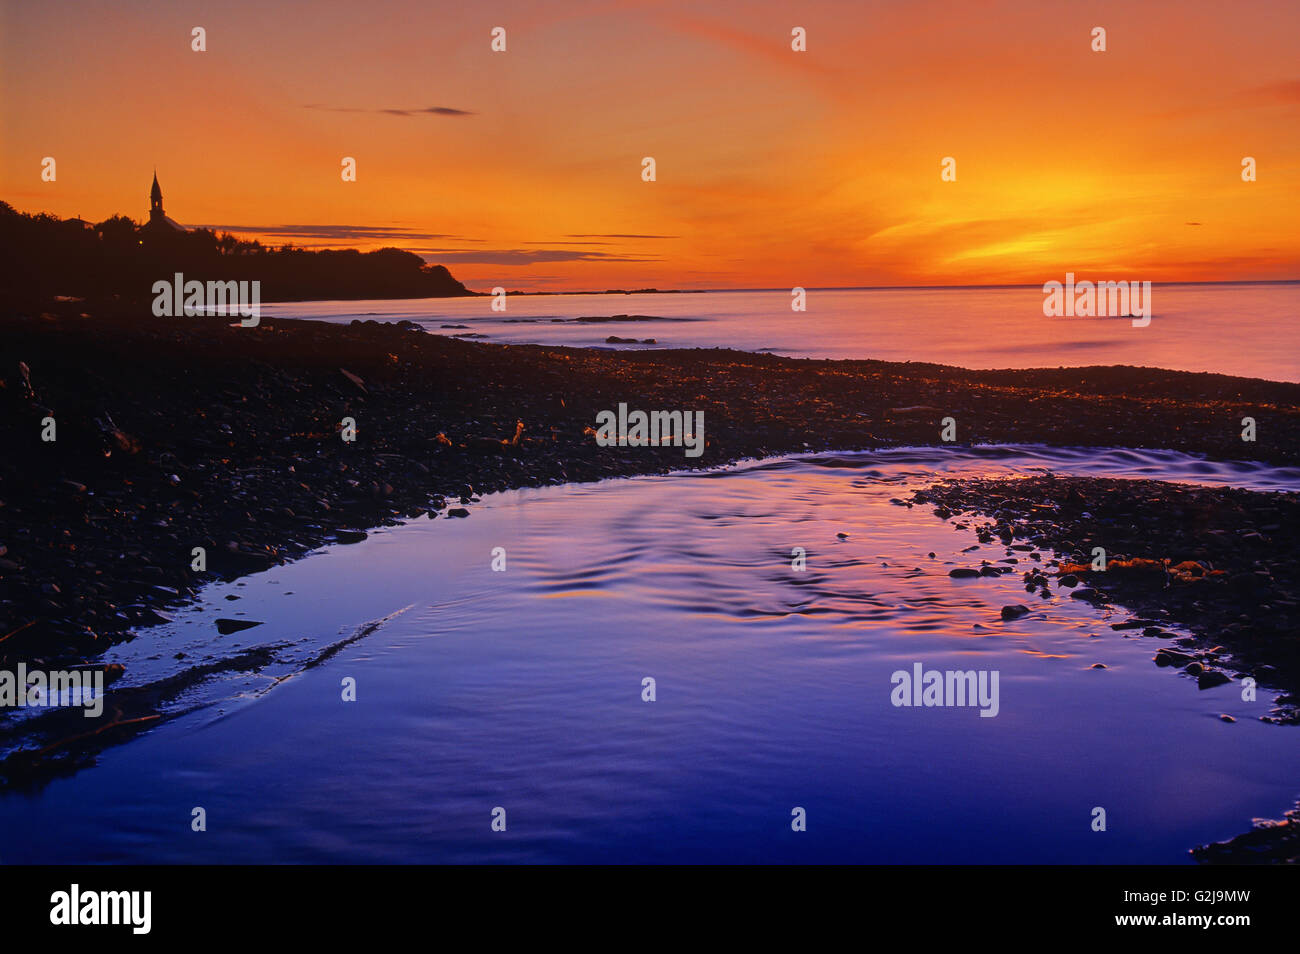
x=724, y=291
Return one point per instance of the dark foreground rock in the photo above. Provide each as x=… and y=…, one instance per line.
x=1269, y=842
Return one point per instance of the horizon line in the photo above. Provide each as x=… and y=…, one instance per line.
x=706, y=291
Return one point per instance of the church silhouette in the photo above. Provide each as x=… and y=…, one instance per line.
x=160, y=225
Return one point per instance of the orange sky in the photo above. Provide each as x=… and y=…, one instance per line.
x=775, y=168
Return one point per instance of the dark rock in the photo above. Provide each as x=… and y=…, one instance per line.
x=1211, y=678
x=227, y=626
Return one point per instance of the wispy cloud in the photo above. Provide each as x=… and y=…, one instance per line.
x=335, y=236
x=772, y=54
x=553, y=242
x=1286, y=91
x=424, y=111
x=517, y=256
x=349, y=233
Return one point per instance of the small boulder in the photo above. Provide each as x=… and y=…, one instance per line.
x=1209, y=678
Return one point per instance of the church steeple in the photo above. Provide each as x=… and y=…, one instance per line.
x=159, y=225
x=155, y=198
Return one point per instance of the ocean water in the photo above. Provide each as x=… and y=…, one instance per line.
x=522, y=690
x=1239, y=329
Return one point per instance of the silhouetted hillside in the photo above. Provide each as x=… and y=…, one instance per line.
x=42, y=256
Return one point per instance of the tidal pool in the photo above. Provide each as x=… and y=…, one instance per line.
x=523, y=689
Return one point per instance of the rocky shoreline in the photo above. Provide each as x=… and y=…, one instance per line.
x=1220, y=562
x=176, y=434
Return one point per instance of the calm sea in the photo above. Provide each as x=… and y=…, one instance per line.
x=1240, y=329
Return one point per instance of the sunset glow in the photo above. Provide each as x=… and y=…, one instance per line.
x=648, y=432
x=774, y=168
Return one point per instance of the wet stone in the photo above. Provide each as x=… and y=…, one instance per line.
x=227, y=626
